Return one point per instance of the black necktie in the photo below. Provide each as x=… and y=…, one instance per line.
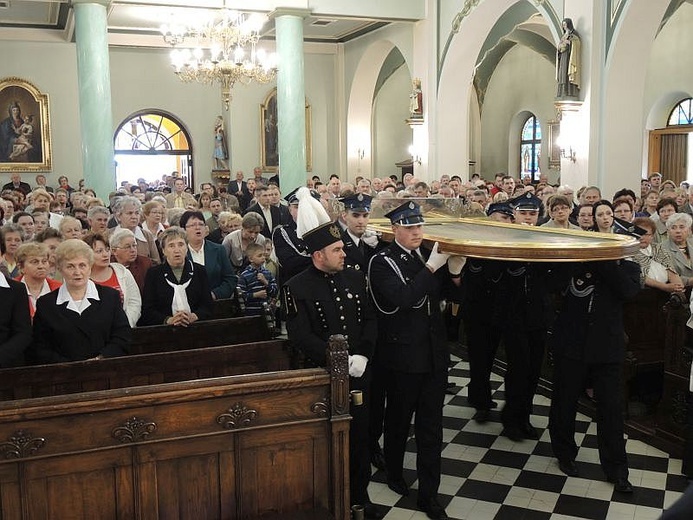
x=417, y=256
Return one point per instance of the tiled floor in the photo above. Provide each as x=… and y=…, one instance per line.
x=490, y=477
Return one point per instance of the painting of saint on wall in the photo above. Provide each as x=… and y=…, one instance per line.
x=269, y=135
x=24, y=127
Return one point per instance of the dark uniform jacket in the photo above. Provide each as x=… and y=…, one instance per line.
x=589, y=326
x=523, y=292
x=15, y=324
x=319, y=305
x=412, y=336
x=480, y=282
x=64, y=335
x=291, y=252
x=357, y=257
x=157, y=295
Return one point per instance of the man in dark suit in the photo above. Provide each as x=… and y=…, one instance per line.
x=326, y=299
x=270, y=214
x=15, y=323
x=408, y=285
x=17, y=184
x=588, y=341
x=239, y=189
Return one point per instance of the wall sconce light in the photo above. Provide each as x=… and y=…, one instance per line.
x=415, y=158
x=568, y=154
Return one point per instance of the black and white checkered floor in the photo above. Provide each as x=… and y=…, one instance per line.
x=486, y=476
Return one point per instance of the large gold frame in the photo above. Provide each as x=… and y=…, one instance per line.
x=482, y=238
x=267, y=110
x=32, y=102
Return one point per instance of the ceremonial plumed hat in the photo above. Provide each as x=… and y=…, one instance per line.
x=623, y=227
x=322, y=236
x=527, y=201
x=313, y=224
x=358, y=202
x=408, y=214
x=499, y=207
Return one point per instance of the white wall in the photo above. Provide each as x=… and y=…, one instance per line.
x=143, y=79
x=391, y=135
x=523, y=81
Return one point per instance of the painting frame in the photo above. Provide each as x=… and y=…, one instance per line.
x=24, y=148
x=269, y=134
x=554, y=149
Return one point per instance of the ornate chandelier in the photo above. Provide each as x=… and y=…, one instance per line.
x=225, y=51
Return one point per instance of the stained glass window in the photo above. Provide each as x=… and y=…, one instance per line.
x=681, y=115
x=530, y=148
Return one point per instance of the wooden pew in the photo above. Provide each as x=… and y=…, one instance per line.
x=235, y=447
x=210, y=333
x=146, y=369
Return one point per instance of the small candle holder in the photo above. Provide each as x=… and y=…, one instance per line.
x=356, y=397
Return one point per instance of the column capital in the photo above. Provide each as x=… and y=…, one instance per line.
x=290, y=11
x=104, y=3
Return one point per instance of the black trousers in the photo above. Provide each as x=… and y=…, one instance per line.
x=568, y=384
x=359, y=448
x=377, y=407
x=482, y=343
x=422, y=394
x=524, y=350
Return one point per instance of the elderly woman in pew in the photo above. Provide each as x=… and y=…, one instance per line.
x=237, y=241
x=32, y=259
x=220, y=273
x=115, y=276
x=656, y=268
x=665, y=208
x=679, y=246
x=177, y=291
x=80, y=320
x=124, y=251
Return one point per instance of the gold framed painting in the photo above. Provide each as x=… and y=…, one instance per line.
x=25, y=136
x=554, y=148
x=269, y=135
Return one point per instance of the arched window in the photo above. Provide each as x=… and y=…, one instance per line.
x=530, y=148
x=151, y=144
x=682, y=113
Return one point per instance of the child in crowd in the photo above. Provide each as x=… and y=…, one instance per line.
x=270, y=261
x=257, y=284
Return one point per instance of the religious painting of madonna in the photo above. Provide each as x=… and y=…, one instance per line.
x=25, y=138
x=269, y=135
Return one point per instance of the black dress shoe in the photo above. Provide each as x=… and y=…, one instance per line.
x=621, y=484
x=432, y=509
x=530, y=432
x=481, y=416
x=399, y=486
x=371, y=510
x=377, y=457
x=513, y=433
x=568, y=467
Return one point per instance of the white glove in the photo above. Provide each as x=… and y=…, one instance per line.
x=436, y=260
x=370, y=239
x=455, y=264
x=357, y=365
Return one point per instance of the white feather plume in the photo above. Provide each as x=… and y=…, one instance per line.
x=311, y=213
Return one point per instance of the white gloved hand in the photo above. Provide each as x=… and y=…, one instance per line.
x=370, y=238
x=436, y=260
x=455, y=264
x=357, y=365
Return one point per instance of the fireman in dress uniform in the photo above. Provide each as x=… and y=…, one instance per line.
x=360, y=244
x=588, y=341
x=408, y=283
x=327, y=299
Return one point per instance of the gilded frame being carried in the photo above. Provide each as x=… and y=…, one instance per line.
x=25, y=136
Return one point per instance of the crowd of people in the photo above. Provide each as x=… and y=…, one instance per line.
x=79, y=272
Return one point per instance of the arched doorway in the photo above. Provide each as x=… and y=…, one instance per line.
x=151, y=144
